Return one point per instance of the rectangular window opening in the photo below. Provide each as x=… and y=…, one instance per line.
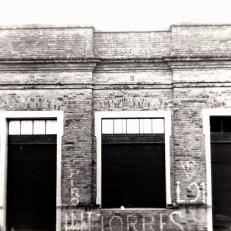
x=31, y=174
x=133, y=163
x=220, y=137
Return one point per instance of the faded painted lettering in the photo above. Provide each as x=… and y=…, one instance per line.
x=174, y=221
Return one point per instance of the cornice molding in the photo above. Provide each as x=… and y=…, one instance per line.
x=200, y=84
x=131, y=65
x=179, y=63
x=45, y=86
x=87, y=64
x=165, y=63
x=98, y=65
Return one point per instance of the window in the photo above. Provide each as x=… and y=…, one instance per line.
x=31, y=173
x=7, y=117
x=32, y=127
x=133, y=168
x=220, y=144
x=133, y=126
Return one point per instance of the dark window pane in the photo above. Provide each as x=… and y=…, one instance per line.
x=216, y=124
x=220, y=124
x=221, y=183
x=31, y=183
x=133, y=174
x=227, y=124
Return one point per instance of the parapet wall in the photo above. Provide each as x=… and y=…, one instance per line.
x=46, y=43
x=85, y=42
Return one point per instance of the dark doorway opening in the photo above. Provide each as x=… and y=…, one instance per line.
x=133, y=171
x=31, y=183
x=221, y=172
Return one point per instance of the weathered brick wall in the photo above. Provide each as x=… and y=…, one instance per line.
x=67, y=91
x=147, y=220
x=131, y=90
x=46, y=43
x=74, y=42
x=129, y=75
x=141, y=76
x=180, y=41
x=132, y=99
x=49, y=78
x=193, y=219
x=195, y=89
x=189, y=153
x=111, y=45
x=201, y=40
x=77, y=138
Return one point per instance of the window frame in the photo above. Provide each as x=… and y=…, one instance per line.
x=5, y=116
x=206, y=115
x=99, y=115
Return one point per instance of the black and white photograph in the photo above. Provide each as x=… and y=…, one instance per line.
x=115, y=115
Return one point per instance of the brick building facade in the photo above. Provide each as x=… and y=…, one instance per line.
x=89, y=81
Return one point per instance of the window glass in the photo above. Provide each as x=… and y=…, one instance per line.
x=158, y=126
x=39, y=127
x=32, y=127
x=145, y=126
x=132, y=126
x=220, y=124
x=14, y=127
x=227, y=124
x=216, y=124
x=26, y=127
x=51, y=127
x=107, y=126
x=119, y=126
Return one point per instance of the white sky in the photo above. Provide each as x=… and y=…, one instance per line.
x=115, y=15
